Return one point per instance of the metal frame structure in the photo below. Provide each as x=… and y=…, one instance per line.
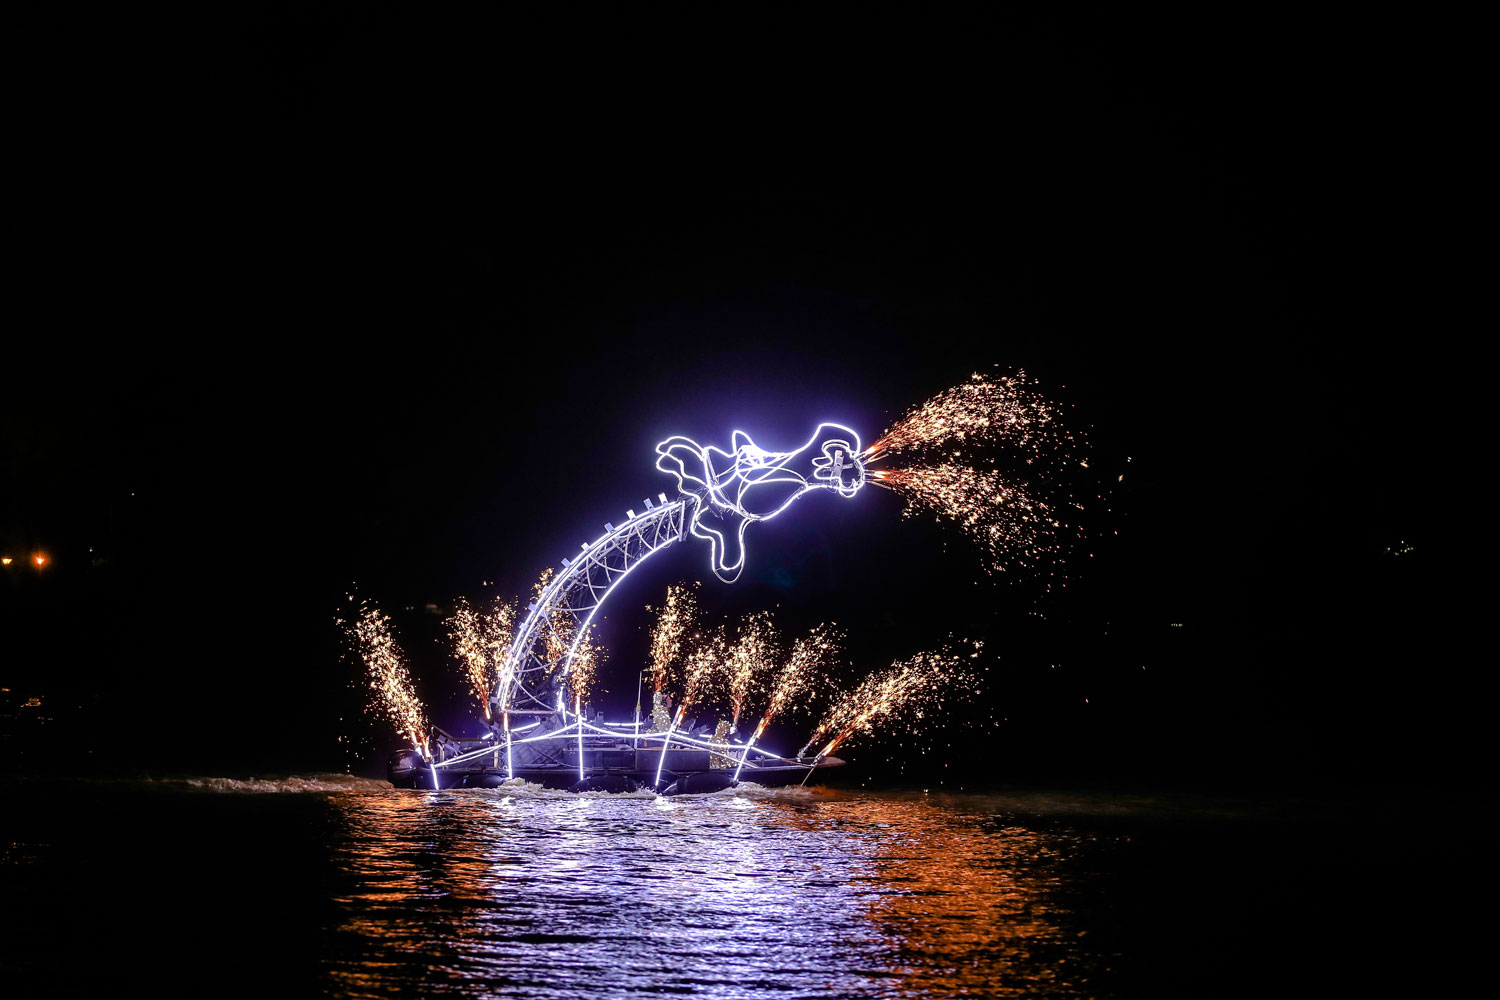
x=562, y=615
x=714, y=484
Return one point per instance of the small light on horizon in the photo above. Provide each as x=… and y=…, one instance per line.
x=39, y=559
x=6, y=560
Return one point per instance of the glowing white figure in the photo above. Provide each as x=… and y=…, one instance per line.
x=722, y=492
x=729, y=490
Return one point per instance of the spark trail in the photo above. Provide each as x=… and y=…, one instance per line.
x=584, y=668
x=913, y=685
x=559, y=635
x=674, y=623
x=749, y=659
x=390, y=679
x=702, y=665
x=810, y=654
x=993, y=457
x=482, y=644
x=987, y=409
x=703, y=662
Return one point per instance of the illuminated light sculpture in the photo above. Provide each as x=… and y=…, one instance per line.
x=729, y=490
x=720, y=494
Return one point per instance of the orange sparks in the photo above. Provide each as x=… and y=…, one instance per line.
x=701, y=665
x=985, y=409
x=748, y=660
x=912, y=685
x=811, y=654
x=676, y=619
x=482, y=644
x=993, y=457
x=390, y=679
x=1009, y=524
x=583, y=670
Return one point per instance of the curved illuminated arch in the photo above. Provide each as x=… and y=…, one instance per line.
x=721, y=484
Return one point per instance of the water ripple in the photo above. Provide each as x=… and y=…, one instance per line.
x=748, y=893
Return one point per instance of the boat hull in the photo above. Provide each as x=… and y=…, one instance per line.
x=407, y=770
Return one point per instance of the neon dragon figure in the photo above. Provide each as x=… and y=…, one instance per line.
x=729, y=490
x=720, y=494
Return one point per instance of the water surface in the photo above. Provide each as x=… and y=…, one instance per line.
x=345, y=887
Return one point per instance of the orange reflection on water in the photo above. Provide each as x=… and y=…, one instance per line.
x=801, y=893
x=965, y=900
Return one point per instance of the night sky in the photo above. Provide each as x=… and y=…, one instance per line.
x=332, y=300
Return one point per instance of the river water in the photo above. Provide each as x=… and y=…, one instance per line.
x=344, y=887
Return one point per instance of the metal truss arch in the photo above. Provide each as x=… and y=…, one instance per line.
x=558, y=621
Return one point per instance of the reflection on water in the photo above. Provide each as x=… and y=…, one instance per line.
x=286, y=887
x=742, y=894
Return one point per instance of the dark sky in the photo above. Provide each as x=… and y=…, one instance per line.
x=321, y=297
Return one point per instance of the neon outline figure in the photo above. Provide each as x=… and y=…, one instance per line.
x=729, y=490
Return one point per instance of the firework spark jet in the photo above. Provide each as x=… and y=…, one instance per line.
x=794, y=680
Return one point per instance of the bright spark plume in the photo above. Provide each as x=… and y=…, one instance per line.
x=810, y=657
x=993, y=457
x=588, y=655
x=912, y=686
x=987, y=409
x=584, y=668
x=390, y=679
x=481, y=641
x=1014, y=528
x=561, y=627
x=701, y=666
x=674, y=623
x=749, y=659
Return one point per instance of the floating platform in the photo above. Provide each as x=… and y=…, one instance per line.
x=618, y=764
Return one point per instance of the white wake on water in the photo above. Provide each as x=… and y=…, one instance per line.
x=291, y=783
x=515, y=788
x=521, y=788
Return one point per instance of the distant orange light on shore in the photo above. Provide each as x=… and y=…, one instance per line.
x=6, y=560
x=39, y=559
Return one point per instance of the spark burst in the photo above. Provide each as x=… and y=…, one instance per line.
x=704, y=659
x=703, y=663
x=674, y=623
x=811, y=656
x=749, y=659
x=560, y=627
x=482, y=644
x=987, y=409
x=390, y=679
x=795, y=680
x=990, y=456
x=1013, y=527
x=916, y=684
x=584, y=668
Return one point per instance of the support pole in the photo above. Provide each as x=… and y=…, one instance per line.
x=578, y=711
x=810, y=770
x=509, y=770
x=681, y=710
x=744, y=755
